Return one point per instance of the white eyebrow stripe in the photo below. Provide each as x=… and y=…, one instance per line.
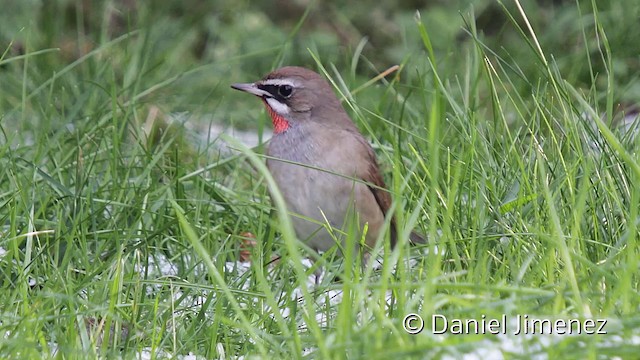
x=278, y=82
x=277, y=106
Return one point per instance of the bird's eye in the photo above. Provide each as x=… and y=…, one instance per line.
x=285, y=90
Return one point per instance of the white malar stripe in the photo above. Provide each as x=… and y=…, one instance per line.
x=277, y=106
x=279, y=82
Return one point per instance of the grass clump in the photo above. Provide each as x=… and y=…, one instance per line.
x=122, y=215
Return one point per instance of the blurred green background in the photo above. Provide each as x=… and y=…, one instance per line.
x=209, y=44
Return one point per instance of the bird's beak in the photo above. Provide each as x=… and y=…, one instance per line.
x=251, y=89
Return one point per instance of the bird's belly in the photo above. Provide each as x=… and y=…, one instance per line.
x=317, y=201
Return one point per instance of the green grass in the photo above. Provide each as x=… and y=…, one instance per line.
x=502, y=149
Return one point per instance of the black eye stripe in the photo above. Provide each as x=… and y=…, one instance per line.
x=271, y=89
x=274, y=90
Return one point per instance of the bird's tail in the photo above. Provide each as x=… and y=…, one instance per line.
x=416, y=239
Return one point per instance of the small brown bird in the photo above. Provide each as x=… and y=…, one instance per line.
x=329, y=169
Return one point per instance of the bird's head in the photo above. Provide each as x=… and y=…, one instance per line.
x=294, y=95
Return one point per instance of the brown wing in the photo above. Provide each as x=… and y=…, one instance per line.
x=376, y=185
x=356, y=150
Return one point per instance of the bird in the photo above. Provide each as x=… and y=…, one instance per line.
x=323, y=166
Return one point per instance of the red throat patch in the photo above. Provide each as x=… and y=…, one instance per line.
x=280, y=124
